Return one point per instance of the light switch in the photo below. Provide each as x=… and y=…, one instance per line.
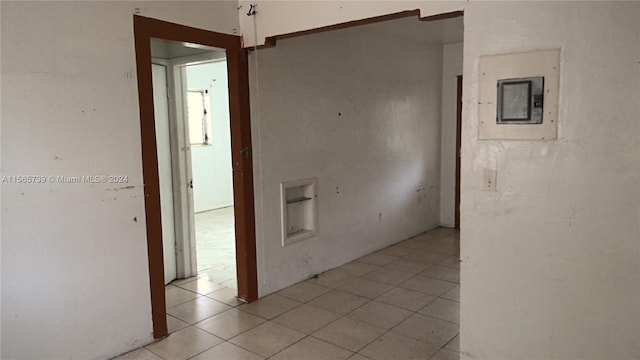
x=489, y=180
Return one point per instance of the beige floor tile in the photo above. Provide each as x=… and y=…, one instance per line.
x=389, y=276
x=430, y=236
x=230, y=323
x=201, y=286
x=421, y=268
x=396, y=250
x=349, y=334
x=415, y=243
x=267, y=339
x=427, y=285
x=454, y=345
x=331, y=279
x=139, y=354
x=443, y=249
x=406, y=299
x=448, y=240
x=176, y=296
x=270, y=306
x=215, y=243
x=445, y=354
x=303, y=291
x=409, y=266
x=453, y=294
x=443, y=273
x=364, y=287
x=312, y=349
x=223, y=275
x=425, y=257
x=443, y=309
x=226, y=295
x=306, y=318
x=426, y=328
x=377, y=259
x=183, y=281
x=227, y=351
x=338, y=302
x=380, y=315
x=174, y=324
x=355, y=268
x=233, y=283
x=184, y=344
x=452, y=262
x=359, y=356
x=197, y=309
x=393, y=346
x=442, y=231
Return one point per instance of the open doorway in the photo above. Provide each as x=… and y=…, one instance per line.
x=192, y=120
x=211, y=171
x=190, y=40
x=200, y=100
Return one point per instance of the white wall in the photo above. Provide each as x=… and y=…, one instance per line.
x=358, y=109
x=74, y=273
x=211, y=165
x=276, y=17
x=451, y=68
x=551, y=260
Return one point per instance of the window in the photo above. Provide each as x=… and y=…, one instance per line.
x=199, y=113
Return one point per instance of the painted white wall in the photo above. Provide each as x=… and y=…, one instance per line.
x=283, y=17
x=362, y=115
x=211, y=165
x=551, y=260
x=74, y=273
x=451, y=68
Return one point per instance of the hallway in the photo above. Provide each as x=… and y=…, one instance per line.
x=401, y=302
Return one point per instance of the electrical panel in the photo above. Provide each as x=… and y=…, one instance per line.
x=518, y=96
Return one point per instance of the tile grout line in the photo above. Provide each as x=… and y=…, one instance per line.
x=378, y=267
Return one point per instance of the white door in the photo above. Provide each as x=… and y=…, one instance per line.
x=161, y=110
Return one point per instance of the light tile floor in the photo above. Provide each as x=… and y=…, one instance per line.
x=398, y=303
x=215, y=246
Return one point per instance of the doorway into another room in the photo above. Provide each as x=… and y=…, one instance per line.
x=193, y=137
x=211, y=171
x=163, y=53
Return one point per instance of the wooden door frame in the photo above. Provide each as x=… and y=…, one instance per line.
x=458, y=148
x=241, y=154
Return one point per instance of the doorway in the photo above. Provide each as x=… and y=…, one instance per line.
x=210, y=141
x=146, y=29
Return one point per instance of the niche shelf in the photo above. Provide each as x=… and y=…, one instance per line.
x=298, y=210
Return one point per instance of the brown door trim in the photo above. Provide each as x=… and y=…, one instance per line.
x=458, y=149
x=144, y=30
x=271, y=41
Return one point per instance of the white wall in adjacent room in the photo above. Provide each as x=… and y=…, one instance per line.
x=211, y=164
x=359, y=110
x=451, y=68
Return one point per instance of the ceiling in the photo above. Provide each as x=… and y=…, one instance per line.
x=165, y=49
